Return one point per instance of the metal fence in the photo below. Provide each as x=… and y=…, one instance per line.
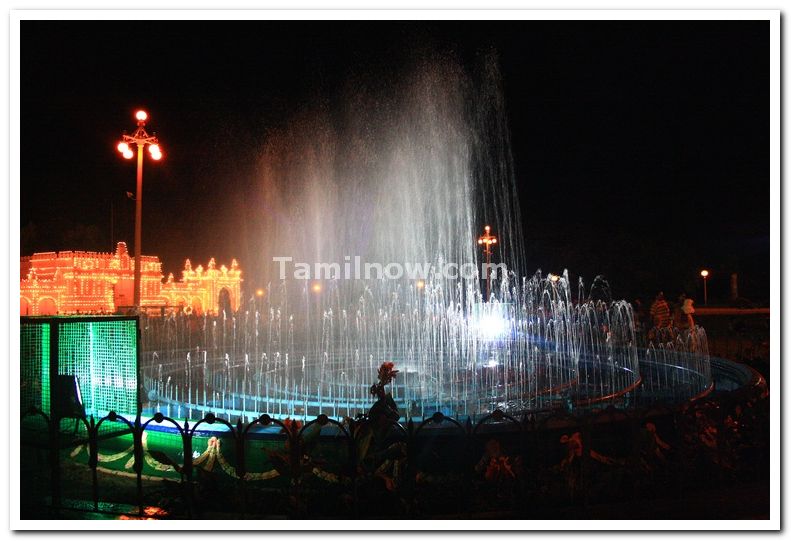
x=516, y=467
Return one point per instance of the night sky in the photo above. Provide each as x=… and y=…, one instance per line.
x=641, y=149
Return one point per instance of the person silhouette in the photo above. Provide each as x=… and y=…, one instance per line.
x=384, y=411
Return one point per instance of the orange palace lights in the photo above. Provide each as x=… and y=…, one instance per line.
x=72, y=282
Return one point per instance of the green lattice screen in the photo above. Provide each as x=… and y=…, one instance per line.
x=34, y=355
x=101, y=352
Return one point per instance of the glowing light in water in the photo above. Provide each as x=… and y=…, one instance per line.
x=492, y=325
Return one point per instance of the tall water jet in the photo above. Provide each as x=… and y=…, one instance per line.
x=405, y=171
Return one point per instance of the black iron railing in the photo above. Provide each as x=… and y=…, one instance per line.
x=444, y=466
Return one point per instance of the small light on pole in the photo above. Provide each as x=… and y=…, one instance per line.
x=705, y=274
x=487, y=240
x=259, y=297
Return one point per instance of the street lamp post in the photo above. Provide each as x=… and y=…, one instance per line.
x=487, y=240
x=705, y=274
x=141, y=138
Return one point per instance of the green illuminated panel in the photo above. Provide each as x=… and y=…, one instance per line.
x=34, y=372
x=102, y=354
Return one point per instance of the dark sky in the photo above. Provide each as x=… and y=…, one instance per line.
x=641, y=149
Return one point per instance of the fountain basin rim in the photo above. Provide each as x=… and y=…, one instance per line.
x=751, y=379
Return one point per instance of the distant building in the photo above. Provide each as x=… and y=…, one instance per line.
x=96, y=282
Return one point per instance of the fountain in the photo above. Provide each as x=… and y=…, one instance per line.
x=405, y=170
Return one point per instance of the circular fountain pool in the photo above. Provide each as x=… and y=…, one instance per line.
x=539, y=351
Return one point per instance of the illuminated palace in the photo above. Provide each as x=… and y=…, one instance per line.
x=103, y=282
